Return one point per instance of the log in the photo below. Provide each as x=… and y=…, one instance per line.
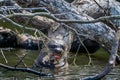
x=11, y=39
x=99, y=8
x=104, y=7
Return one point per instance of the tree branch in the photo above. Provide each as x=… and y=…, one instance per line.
x=29, y=70
x=52, y=16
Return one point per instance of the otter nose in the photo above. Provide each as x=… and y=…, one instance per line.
x=58, y=50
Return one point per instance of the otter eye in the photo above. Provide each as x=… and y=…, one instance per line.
x=63, y=47
x=52, y=46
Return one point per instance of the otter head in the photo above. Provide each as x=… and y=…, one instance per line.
x=55, y=56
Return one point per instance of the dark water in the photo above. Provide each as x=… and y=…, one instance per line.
x=77, y=70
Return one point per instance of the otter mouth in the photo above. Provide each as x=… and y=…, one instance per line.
x=58, y=60
x=55, y=58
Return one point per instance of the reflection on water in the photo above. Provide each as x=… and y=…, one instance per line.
x=75, y=72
